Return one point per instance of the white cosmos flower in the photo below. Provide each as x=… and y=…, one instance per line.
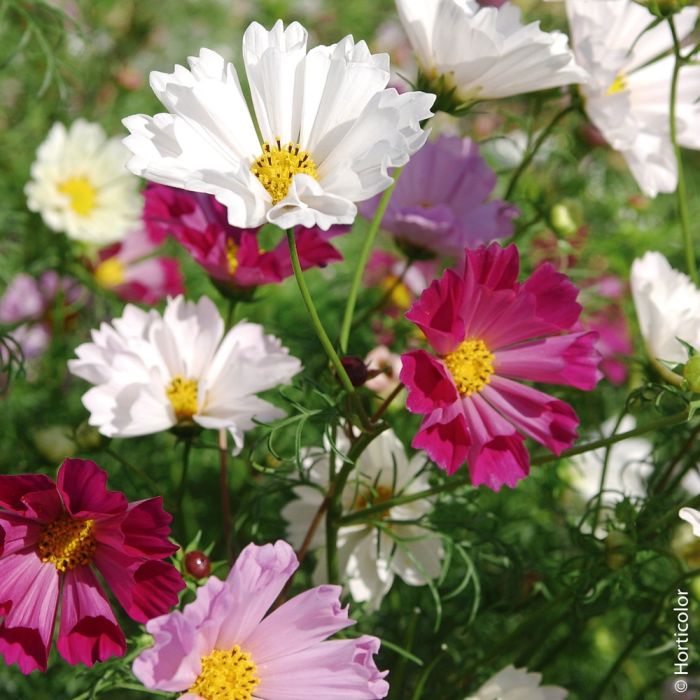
x=518, y=684
x=81, y=187
x=486, y=52
x=329, y=127
x=628, y=95
x=692, y=516
x=153, y=372
x=668, y=307
x=369, y=556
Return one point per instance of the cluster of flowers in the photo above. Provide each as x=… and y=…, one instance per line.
x=331, y=133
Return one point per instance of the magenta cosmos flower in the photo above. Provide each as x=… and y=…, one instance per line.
x=231, y=255
x=487, y=330
x=52, y=538
x=221, y=645
x=440, y=201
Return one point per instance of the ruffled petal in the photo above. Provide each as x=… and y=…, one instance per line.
x=83, y=487
x=428, y=382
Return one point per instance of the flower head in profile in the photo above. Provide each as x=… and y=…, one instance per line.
x=154, y=372
x=81, y=187
x=668, y=309
x=518, y=684
x=488, y=332
x=132, y=272
x=55, y=536
x=468, y=52
x=330, y=129
x=440, y=202
x=629, y=91
x=230, y=255
x=371, y=556
x=224, y=646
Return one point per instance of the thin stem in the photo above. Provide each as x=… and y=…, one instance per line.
x=604, y=471
x=153, y=485
x=676, y=460
x=225, y=496
x=386, y=403
x=544, y=135
x=362, y=263
x=183, y=476
x=681, y=193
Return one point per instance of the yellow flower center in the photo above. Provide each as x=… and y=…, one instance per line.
x=618, y=85
x=226, y=675
x=67, y=543
x=399, y=294
x=183, y=396
x=378, y=495
x=278, y=165
x=471, y=366
x=110, y=273
x=81, y=192
x=231, y=253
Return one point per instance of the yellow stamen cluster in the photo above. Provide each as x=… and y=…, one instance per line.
x=618, y=85
x=471, y=366
x=278, y=165
x=81, y=192
x=231, y=253
x=110, y=273
x=398, y=293
x=226, y=675
x=183, y=396
x=378, y=495
x=67, y=543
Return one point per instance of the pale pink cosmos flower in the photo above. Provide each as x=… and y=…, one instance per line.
x=388, y=366
x=222, y=645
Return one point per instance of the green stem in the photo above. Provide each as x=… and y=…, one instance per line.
x=183, y=476
x=604, y=471
x=153, y=485
x=362, y=263
x=681, y=193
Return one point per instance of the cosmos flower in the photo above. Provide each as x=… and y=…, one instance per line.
x=81, y=187
x=388, y=367
x=668, y=308
x=495, y=55
x=439, y=203
x=518, y=684
x=223, y=646
x=330, y=129
x=691, y=516
x=230, y=255
x=487, y=331
x=55, y=536
x=154, y=372
x=371, y=556
x=628, y=94
x=132, y=273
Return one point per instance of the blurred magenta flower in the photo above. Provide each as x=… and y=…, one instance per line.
x=128, y=269
x=222, y=646
x=230, y=255
x=29, y=302
x=487, y=330
x=52, y=535
x=440, y=201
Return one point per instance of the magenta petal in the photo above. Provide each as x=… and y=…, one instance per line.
x=428, y=383
x=146, y=529
x=15, y=488
x=301, y=622
x=555, y=297
x=83, y=486
x=17, y=532
x=444, y=435
x=88, y=631
x=493, y=266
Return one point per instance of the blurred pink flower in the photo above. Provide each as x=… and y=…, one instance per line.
x=388, y=366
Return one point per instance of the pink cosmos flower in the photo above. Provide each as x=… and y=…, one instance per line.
x=231, y=255
x=51, y=537
x=221, y=645
x=487, y=330
x=128, y=269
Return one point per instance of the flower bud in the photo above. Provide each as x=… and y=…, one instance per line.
x=197, y=564
x=562, y=221
x=88, y=438
x=691, y=373
x=356, y=369
x=664, y=8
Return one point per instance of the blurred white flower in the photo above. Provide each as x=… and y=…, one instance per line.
x=628, y=94
x=486, y=52
x=81, y=187
x=371, y=556
x=518, y=684
x=330, y=129
x=692, y=516
x=668, y=308
x=153, y=372
x=389, y=365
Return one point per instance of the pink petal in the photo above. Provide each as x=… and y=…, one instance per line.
x=83, y=486
x=493, y=266
x=555, y=297
x=444, y=435
x=88, y=630
x=150, y=281
x=428, y=382
x=17, y=532
x=146, y=529
x=31, y=495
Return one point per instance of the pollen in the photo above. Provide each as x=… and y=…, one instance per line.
x=618, y=85
x=81, y=193
x=110, y=273
x=67, y=543
x=278, y=165
x=471, y=366
x=379, y=495
x=231, y=256
x=183, y=397
x=226, y=675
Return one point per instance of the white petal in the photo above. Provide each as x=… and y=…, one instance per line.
x=693, y=517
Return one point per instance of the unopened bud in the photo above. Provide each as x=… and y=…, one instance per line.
x=88, y=438
x=356, y=369
x=197, y=564
x=562, y=220
x=664, y=8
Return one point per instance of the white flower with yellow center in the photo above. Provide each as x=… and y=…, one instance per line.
x=518, y=684
x=485, y=52
x=154, y=372
x=81, y=187
x=371, y=555
x=628, y=94
x=329, y=129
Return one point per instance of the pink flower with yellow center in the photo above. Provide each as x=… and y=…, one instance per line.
x=488, y=330
x=53, y=538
